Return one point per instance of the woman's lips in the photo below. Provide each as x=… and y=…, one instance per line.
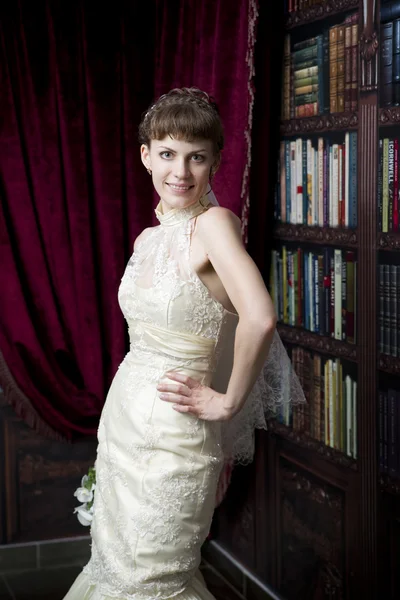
x=180, y=188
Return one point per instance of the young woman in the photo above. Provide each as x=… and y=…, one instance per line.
x=205, y=367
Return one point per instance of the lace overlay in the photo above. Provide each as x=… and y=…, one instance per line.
x=157, y=469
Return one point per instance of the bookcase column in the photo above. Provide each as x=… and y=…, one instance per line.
x=366, y=298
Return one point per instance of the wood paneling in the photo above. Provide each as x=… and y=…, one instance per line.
x=38, y=479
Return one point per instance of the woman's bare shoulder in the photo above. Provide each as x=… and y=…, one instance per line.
x=218, y=220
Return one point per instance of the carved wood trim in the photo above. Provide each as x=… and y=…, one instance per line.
x=389, y=484
x=389, y=241
x=389, y=116
x=319, y=11
x=320, y=124
x=305, y=441
x=369, y=44
x=316, y=235
x=389, y=364
x=317, y=342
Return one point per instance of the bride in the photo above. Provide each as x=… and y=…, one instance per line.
x=205, y=367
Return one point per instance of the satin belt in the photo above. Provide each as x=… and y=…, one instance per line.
x=177, y=345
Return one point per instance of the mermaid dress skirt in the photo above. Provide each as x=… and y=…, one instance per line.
x=156, y=469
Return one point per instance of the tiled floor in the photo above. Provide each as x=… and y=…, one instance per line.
x=52, y=584
x=46, y=584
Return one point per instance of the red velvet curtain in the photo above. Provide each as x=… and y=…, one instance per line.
x=75, y=78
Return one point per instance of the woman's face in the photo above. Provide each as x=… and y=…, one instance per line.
x=180, y=170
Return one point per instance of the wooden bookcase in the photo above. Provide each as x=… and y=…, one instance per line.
x=308, y=519
x=334, y=520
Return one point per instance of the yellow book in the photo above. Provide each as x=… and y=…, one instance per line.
x=326, y=398
x=342, y=412
x=334, y=436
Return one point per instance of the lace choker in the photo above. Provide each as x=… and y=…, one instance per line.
x=180, y=215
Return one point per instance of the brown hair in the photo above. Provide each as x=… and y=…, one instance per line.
x=186, y=114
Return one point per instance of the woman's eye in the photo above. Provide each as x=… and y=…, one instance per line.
x=197, y=157
x=166, y=154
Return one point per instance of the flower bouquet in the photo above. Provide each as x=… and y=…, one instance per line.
x=85, y=494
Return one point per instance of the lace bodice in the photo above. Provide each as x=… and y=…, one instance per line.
x=160, y=289
x=159, y=286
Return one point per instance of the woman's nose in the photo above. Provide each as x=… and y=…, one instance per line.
x=181, y=169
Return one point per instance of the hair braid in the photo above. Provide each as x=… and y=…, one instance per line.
x=185, y=113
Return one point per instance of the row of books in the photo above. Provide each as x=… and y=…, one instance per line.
x=388, y=185
x=390, y=63
x=389, y=309
x=316, y=290
x=330, y=415
x=389, y=428
x=320, y=74
x=317, y=183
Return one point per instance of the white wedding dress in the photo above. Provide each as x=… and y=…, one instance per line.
x=157, y=469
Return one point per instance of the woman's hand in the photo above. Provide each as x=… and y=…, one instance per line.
x=190, y=396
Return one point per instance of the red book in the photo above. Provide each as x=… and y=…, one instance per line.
x=332, y=303
x=396, y=186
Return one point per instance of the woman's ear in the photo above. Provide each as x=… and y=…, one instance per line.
x=145, y=156
x=215, y=166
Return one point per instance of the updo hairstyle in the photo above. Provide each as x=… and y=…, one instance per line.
x=185, y=114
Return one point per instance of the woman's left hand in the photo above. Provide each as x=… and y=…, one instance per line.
x=190, y=396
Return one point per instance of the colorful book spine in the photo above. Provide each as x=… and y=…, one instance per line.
x=318, y=182
x=331, y=411
x=316, y=290
x=388, y=185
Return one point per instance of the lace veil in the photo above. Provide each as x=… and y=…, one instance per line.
x=277, y=389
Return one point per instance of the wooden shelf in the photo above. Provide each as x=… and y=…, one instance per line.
x=318, y=343
x=389, y=484
x=320, y=124
x=389, y=364
x=305, y=441
x=389, y=116
x=389, y=241
x=319, y=11
x=317, y=235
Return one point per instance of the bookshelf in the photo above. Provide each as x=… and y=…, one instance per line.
x=353, y=485
x=316, y=235
x=317, y=343
x=310, y=12
x=320, y=124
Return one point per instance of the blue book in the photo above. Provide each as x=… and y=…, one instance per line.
x=306, y=302
x=353, y=179
x=316, y=293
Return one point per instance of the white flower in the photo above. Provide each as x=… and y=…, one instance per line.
x=83, y=494
x=85, y=516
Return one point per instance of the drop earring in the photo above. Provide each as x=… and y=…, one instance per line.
x=149, y=171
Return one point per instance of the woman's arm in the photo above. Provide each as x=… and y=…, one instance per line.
x=220, y=232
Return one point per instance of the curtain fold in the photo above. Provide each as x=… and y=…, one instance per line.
x=75, y=80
